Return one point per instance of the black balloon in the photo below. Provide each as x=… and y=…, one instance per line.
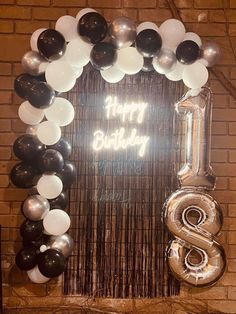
x=147, y=65
x=23, y=84
x=23, y=175
x=26, y=258
x=103, y=56
x=50, y=160
x=41, y=95
x=187, y=52
x=92, y=27
x=68, y=174
x=51, y=44
x=51, y=263
x=148, y=42
x=31, y=230
x=26, y=147
x=60, y=202
x=63, y=146
x=37, y=242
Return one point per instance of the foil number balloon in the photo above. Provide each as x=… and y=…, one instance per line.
x=195, y=177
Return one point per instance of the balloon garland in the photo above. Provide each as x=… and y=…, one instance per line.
x=56, y=60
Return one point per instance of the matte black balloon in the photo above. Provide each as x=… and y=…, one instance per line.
x=31, y=230
x=50, y=160
x=148, y=42
x=51, y=44
x=63, y=146
x=103, y=56
x=60, y=202
x=68, y=174
x=26, y=258
x=23, y=84
x=187, y=52
x=92, y=27
x=147, y=65
x=51, y=263
x=23, y=175
x=37, y=242
x=26, y=147
x=41, y=95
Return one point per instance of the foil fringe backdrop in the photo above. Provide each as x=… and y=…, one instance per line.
x=116, y=202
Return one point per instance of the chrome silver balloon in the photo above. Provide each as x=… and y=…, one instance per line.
x=122, y=32
x=197, y=171
x=195, y=236
x=210, y=52
x=33, y=63
x=63, y=243
x=35, y=207
x=165, y=61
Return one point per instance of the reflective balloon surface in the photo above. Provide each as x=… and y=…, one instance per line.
x=26, y=147
x=51, y=263
x=23, y=84
x=23, y=175
x=148, y=43
x=60, y=202
x=26, y=258
x=41, y=95
x=147, y=65
x=31, y=230
x=50, y=160
x=63, y=243
x=123, y=32
x=63, y=146
x=68, y=174
x=165, y=61
x=103, y=56
x=211, y=53
x=187, y=52
x=33, y=63
x=35, y=207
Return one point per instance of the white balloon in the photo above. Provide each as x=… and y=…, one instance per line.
x=172, y=32
x=56, y=222
x=48, y=132
x=78, y=52
x=195, y=75
x=29, y=114
x=83, y=12
x=61, y=112
x=176, y=74
x=194, y=37
x=129, y=61
x=112, y=75
x=35, y=275
x=60, y=75
x=49, y=186
x=43, y=248
x=34, y=38
x=78, y=71
x=67, y=26
x=147, y=25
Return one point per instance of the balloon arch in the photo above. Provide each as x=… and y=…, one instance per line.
x=56, y=60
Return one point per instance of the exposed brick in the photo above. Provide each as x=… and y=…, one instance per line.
x=232, y=29
x=9, y=111
x=9, y=52
x=232, y=4
x=5, y=208
x=232, y=128
x=219, y=128
x=48, y=14
x=18, y=126
x=232, y=237
x=7, y=139
x=158, y=15
x=6, y=82
x=223, y=141
x=5, y=125
x=222, y=183
x=232, y=293
x=229, y=224
x=7, y=1
x=207, y=29
x=232, y=210
x=231, y=253
x=217, y=16
x=6, y=98
x=28, y=27
x=140, y=4
x=218, y=155
x=208, y=294
x=220, y=101
x=14, y=12
x=34, y=2
x=224, y=169
x=225, y=196
x=5, y=153
x=13, y=194
x=224, y=306
x=194, y=15
x=208, y=4
x=5, y=68
x=111, y=14
x=224, y=115
x=69, y=3
x=6, y=26
x=104, y=3
x=231, y=15
x=29, y=290
x=232, y=265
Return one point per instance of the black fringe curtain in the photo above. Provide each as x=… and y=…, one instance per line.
x=116, y=202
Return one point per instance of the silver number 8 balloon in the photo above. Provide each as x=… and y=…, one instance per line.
x=195, y=177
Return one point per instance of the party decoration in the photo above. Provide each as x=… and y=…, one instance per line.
x=122, y=32
x=61, y=112
x=67, y=174
x=33, y=64
x=195, y=177
x=112, y=75
x=165, y=61
x=48, y=132
x=51, y=44
x=26, y=147
x=63, y=243
x=23, y=175
x=51, y=263
x=60, y=202
x=35, y=207
x=129, y=61
x=148, y=43
x=146, y=25
x=35, y=275
x=210, y=52
x=103, y=56
x=195, y=75
x=147, y=65
x=29, y=114
x=172, y=32
x=187, y=52
x=83, y=12
x=41, y=95
x=26, y=258
x=50, y=160
x=31, y=230
x=23, y=84
x=92, y=27
x=32, y=129
x=176, y=73
x=78, y=53
x=194, y=37
x=67, y=26
x=49, y=186
x=34, y=39
x=56, y=222
x=64, y=147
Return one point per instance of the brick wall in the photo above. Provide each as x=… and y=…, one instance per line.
x=214, y=19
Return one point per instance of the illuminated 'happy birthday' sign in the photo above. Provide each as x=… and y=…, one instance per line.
x=122, y=138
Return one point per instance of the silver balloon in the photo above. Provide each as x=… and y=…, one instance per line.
x=165, y=61
x=197, y=171
x=210, y=52
x=123, y=32
x=35, y=207
x=195, y=236
x=33, y=63
x=63, y=243
x=32, y=129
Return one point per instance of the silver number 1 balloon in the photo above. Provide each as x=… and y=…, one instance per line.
x=190, y=214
